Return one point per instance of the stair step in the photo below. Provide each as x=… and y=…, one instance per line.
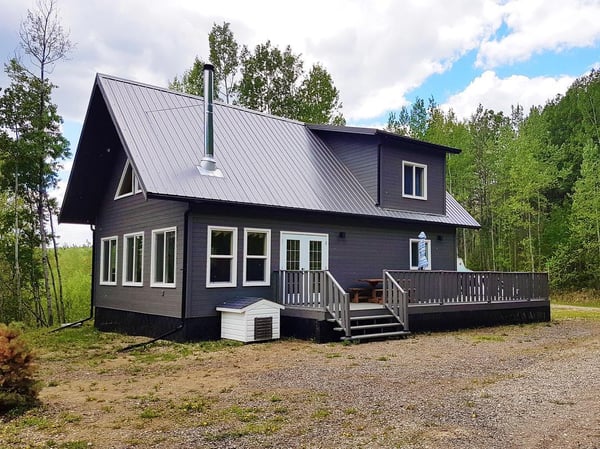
x=375, y=326
x=381, y=335
x=371, y=317
x=370, y=326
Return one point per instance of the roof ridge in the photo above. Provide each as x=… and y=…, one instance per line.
x=197, y=97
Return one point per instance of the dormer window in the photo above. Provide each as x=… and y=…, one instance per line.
x=128, y=185
x=414, y=180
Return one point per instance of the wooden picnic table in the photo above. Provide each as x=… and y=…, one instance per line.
x=373, y=283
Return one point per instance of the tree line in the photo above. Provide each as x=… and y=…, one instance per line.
x=265, y=79
x=531, y=180
x=32, y=148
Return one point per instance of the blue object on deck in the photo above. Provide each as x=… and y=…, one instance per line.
x=422, y=248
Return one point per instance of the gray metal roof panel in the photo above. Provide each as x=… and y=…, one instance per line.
x=265, y=160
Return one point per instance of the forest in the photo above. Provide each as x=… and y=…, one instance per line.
x=529, y=177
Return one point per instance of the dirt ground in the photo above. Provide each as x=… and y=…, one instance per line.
x=531, y=386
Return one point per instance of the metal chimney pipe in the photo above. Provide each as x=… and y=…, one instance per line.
x=208, y=165
x=208, y=110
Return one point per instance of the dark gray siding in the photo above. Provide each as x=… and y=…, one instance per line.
x=135, y=214
x=369, y=246
x=359, y=154
x=391, y=178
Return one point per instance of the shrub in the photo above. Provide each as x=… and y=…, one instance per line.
x=18, y=387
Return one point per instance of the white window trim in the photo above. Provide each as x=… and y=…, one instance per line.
x=153, y=255
x=135, y=188
x=424, y=167
x=233, y=257
x=410, y=245
x=125, y=260
x=102, y=255
x=266, y=257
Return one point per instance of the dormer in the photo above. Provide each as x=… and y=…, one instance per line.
x=398, y=172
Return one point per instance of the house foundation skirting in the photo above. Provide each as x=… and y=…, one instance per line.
x=134, y=323
x=433, y=317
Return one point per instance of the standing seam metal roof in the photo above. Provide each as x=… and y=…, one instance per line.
x=265, y=160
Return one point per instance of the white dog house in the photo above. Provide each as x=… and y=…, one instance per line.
x=250, y=319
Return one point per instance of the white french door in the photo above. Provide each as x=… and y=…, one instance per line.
x=302, y=251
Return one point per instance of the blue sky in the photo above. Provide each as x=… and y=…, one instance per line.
x=382, y=54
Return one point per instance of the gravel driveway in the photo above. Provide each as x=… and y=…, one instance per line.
x=532, y=386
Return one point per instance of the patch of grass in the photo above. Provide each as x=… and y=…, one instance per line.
x=584, y=297
x=149, y=413
x=575, y=314
x=333, y=355
x=383, y=358
x=70, y=417
x=487, y=337
x=68, y=445
x=38, y=422
x=196, y=405
x=321, y=413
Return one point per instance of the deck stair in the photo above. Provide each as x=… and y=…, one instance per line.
x=376, y=323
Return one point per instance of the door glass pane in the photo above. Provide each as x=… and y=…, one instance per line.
x=292, y=255
x=315, y=255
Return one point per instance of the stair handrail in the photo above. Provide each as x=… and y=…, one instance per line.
x=337, y=303
x=395, y=298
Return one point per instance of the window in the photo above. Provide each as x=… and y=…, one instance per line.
x=108, y=261
x=414, y=180
x=163, y=257
x=133, y=259
x=128, y=185
x=257, y=256
x=414, y=254
x=221, y=258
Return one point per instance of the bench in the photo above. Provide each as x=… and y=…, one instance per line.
x=358, y=294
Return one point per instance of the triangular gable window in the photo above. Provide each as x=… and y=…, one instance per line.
x=128, y=185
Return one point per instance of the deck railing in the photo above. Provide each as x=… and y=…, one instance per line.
x=314, y=289
x=452, y=287
x=395, y=298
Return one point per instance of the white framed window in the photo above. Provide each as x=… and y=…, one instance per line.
x=164, y=248
x=257, y=256
x=128, y=184
x=133, y=259
x=414, y=180
x=108, y=261
x=414, y=254
x=221, y=260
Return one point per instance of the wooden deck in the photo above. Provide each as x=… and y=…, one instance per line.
x=418, y=294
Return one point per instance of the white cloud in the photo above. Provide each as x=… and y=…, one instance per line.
x=500, y=93
x=542, y=25
x=370, y=48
